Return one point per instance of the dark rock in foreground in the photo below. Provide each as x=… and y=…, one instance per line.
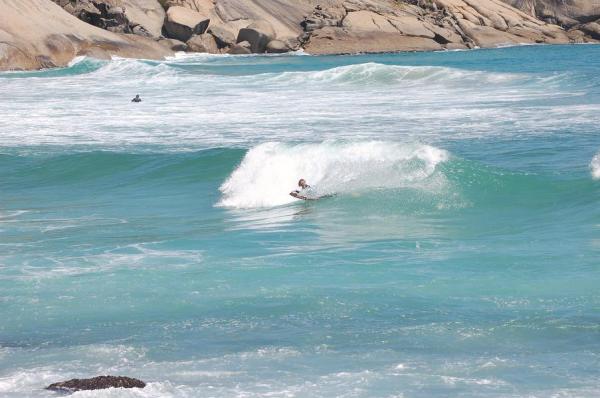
x=96, y=383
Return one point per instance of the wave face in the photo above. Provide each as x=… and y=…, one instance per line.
x=457, y=257
x=264, y=177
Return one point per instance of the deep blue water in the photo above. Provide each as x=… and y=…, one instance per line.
x=457, y=257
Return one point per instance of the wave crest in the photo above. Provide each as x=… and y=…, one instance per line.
x=372, y=72
x=269, y=171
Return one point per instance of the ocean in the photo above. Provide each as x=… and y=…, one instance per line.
x=456, y=253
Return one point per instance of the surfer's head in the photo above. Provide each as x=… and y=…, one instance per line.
x=302, y=183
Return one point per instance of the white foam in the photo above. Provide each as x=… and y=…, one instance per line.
x=77, y=60
x=130, y=256
x=235, y=105
x=270, y=171
x=595, y=167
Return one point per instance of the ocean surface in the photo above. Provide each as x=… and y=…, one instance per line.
x=457, y=256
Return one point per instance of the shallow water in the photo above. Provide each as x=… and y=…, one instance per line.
x=458, y=255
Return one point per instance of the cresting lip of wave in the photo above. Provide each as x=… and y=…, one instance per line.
x=371, y=72
x=271, y=170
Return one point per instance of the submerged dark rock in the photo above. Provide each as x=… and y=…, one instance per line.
x=96, y=383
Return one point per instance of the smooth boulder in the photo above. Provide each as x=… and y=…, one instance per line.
x=592, y=29
x=258, y=34
x=204, y=43
x=148, y=14
x=38, y=34
x=182, y=23
x=224, y=36
x=96, y=383
x=277, y=47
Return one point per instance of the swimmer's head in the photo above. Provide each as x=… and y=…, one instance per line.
x=302, y=183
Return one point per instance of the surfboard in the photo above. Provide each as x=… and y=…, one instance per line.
x=298, y=196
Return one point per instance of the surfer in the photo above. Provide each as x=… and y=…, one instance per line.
x=137, y=98
x=303, y=186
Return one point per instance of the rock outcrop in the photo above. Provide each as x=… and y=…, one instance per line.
x=37, y=34
x=96, y=383
x=581, y=18
x=567, y=13
x=224, y=36
x=258, y=34
x=143, y=17
x=348, y=26
x=440, y=24
x=277, y=47
x=182, y=23
x=203, y=43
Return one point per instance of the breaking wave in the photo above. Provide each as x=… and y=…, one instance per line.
x=372, y=72
x=269, y=171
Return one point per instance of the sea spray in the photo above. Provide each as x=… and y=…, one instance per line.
x=270, y=171
x=595, y=167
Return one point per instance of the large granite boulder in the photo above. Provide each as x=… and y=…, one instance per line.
x=592, y=29
x=96, y=383
x=147, y=14
x=143, y=17
x=224, y=35
x=258, y=34
x=277, y=47
x=182, y=23
x=567, y=13
x=204, y=43
x=38, y=34
x=103, y=14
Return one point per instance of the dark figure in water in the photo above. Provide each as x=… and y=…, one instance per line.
x=137, y=98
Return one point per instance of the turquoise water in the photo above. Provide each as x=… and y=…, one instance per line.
x=458, y=257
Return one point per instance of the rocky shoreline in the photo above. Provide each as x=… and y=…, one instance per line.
x=50, y=33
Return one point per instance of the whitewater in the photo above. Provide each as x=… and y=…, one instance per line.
x=455, y=252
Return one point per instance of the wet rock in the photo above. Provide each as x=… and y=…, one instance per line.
x=182, y=23
x=258, y=34
x=96, y=383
